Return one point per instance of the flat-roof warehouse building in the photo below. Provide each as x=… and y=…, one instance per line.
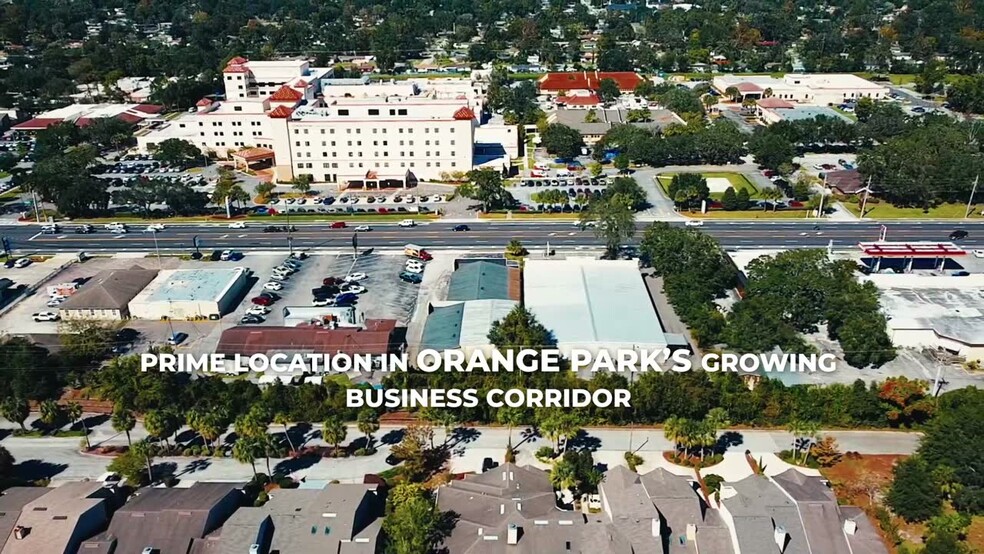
x=190, y=294
x=594, y=305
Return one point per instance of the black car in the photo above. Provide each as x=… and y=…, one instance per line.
x=272, y=229
x=216, y=255
x=85, y=230
x=249, y=319
x=460, y=228
x=270, y=295
x=958, y=234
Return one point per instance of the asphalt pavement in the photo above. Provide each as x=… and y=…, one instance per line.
x=437, y=235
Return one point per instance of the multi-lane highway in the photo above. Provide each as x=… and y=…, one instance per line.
x=27, y=239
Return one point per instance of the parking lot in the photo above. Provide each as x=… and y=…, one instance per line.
x=577, y=192
x=401, y=201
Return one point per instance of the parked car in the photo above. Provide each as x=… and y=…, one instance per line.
x=345, y=298
x=332, y=281
x=262, y=301
x=409, y=277
x=357, y=276
x=249, y=319
x=353, y=288
x=272, y=285
x=258, y=310
x=177, y=338
x=226, y=255
x=979, y=253
x=22, y=263
x=46, y=316
x=326, y=301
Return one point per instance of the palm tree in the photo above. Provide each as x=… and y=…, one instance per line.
x=145, y=450
x=74, y=412
x=228, y=190
x=154, y=422
x=810, y=431
x=733, y=93
x=773, y=194
x=368, y=423
x=767, y=93
x=563, y=474
x=334, y=432
x=509, y=417
x=282, y=418
x=672, y=428
x=244, y=452
x=15, y=410
x=123, y=421
x=50, y=412
x=268, y=446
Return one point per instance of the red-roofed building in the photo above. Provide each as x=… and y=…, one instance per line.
x=579, y=100
x=588, y=80
x=464, y=114
x=83, y=115
x=379, y=337
x=238, y=60
x=148, y=108
x=774, y=103
x=286, y=94
x=204, y=102
x=235, y=68
x=37, y=123
x=281, y=112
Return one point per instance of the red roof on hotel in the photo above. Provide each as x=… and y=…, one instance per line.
x=238, y=60
x=83, y=121
x=235, y=68
x=464, y=114
x=301, y=83
x=376, y=338
x=286, y=94
x=281, y=112
x=204, y=102
x=129, y=118
x=588, y=80
x=580, y=100
x=37, y=123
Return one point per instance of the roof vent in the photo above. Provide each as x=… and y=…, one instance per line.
x=148, y=550
x=850, y=526
x=20, y=532
x=512, y=536
x=781, y=537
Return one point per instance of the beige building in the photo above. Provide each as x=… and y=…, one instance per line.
x=301, y=121
x=107, y=295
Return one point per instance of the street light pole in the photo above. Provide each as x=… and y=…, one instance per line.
x=970, y=201
x=157, y=250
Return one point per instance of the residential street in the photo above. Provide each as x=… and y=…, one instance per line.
x=469, y=446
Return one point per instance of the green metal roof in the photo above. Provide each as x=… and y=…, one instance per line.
x=442, y=330
x=479, y=281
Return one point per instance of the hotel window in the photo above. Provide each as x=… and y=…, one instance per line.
x=343, y=112
x=452, y=143
x=375, y=143
x=334, y=165
x=322, y=131
x=401, y=112
x=411, y=154
x=437, y=143
x=392, y=111
x=403, y=164
x=350, y=143
x=427, y=143
x=333, y=143
x=324, y=154
x=305, y=131
x=374, y=131
x=237, y=108
x=427, y=130
x=453, y=164
x=373, y=112
x=437, y=164
x=386, y=154
x=296, y=132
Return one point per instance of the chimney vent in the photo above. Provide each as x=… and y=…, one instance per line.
x=781, y=537
x=20, y=532
x=850, y=526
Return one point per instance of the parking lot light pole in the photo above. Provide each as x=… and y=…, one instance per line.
x=157, y=250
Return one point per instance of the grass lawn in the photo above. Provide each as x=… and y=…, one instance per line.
x=748, y=214
x=849, y=115
x=294, y=218
x=4, y=174
x=737, y=180
x=10, y=195
x=885, y=210
x=525, y=215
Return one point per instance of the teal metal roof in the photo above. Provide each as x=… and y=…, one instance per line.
x=479, y=281
x=442, y=331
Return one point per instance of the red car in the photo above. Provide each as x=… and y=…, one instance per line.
x=262, y=301
x=768, y=173
x=383, y=210
x=331, y=281
x=338, y=225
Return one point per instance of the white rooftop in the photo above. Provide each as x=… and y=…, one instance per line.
x=592, y=303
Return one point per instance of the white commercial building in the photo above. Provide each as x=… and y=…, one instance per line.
x=820, y=89
x=934, y=311
x=302, y=121
x=594, y=305
x=190, y=294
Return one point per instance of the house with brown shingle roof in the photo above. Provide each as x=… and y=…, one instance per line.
x=58, y=521
x=108, y=294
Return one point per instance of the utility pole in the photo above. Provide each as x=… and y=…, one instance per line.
x=864, y=201
x=823, y=195
x=970, y=201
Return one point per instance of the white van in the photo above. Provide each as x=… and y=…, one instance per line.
x=407, y=223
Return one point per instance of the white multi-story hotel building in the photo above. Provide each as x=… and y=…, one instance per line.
x=303, y=121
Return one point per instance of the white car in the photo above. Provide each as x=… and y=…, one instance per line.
x=354, y=289
x=155, y=227
x=258, y=310
x=694, y=223
x=22, y=263
x=284, y=269
x=279, y=277
x=54, y=302
x=413, y=266
x=358, y=276
x=319, y=302
x=226, y=255
x=46, y=316
x=273, y=285
x=407, y=222
x=237, y=225
x=114, y=225
x=979, y=253
x=363, y=228
x=586, y=224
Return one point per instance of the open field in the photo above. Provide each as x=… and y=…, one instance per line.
x=717, y=182
x=748, y=214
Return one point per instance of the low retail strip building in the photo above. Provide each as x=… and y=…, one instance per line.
x=191, y=294
x=802, y=88
x=299, y=120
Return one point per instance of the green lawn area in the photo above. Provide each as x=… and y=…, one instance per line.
x=849, y=115
x=525, y=215
x=737, y=180
x=294, y=218
x=748, y=214
x=885, y=210
x=4, y=174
